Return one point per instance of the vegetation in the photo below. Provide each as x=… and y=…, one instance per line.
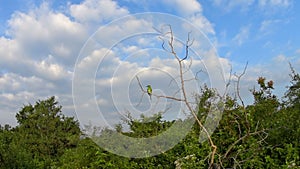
x=264, y=134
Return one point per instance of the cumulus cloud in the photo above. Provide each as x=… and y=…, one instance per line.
x=97, y=11
x=17, y=90
x=202, y=23
x=53, y=71
x=53, y=33
x=192, y=11
x=185, y=7
x=37, y=55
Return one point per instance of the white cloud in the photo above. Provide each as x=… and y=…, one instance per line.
x=186, y=7
x=53, y=71
x=17, y=90
x=35, y=35
x=10, y=52
x=97, y=11
x=93, y=60
x=11, y=82
x=203, y=23
x=280, y=59
x=268, y=25
x=130, y=49
x=42, y=32
x=192, y=11
x=242, y=36
x=275, y=3
x=37, y=55
x=228, y=5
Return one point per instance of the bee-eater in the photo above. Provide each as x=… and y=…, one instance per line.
x=149, y=90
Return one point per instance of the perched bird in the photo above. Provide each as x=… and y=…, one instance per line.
x=149, y=90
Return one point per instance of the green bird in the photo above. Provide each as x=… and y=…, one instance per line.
x=149, y=90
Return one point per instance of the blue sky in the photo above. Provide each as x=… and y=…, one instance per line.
x=40, y=42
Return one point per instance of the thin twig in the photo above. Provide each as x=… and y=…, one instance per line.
x=141, y=87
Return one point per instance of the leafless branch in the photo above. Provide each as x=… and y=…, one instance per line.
x=187, y=45
x=228, y=82
x=238, y=84
x=200, y=71
x=240, y=98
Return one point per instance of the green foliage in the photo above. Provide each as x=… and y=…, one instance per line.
x=148, y=126
x=81, y=156
x=293, y=93
x=41, y=137
x=291, y=110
